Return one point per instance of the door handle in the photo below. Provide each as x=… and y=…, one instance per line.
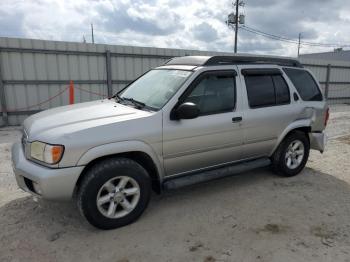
x=236, y=119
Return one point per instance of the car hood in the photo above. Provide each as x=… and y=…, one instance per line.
x=79, y=116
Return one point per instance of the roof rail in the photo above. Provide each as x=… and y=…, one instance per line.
x=233, y=60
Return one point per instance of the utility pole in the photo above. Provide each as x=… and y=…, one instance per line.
x=299, y=44
x=234, y=19
x=236, y=25
x=92, y=33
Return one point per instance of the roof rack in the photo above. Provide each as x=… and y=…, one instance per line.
x=233, y=60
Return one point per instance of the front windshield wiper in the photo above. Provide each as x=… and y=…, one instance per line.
x=138, y=104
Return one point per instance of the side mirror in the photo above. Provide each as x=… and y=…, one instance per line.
x=187, y=110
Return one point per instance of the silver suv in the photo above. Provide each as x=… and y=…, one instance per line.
x=194, y=119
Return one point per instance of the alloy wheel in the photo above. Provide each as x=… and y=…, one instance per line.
x=294, y=154
x=118, y=197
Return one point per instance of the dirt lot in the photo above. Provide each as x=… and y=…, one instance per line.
x=254, y=216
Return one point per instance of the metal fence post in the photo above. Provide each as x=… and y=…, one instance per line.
x=109, y=73
x=328, y=74
x=3, y=100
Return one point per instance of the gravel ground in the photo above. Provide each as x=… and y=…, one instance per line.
x=255, y=216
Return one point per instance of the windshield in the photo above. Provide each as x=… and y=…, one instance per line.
x=155, y=88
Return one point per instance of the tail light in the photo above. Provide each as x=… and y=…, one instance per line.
x=326, y=118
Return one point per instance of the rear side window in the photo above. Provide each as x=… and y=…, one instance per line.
x=261, y=91
x=266, y=90
x=305, y=84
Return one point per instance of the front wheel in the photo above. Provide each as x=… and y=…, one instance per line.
x=292, y=154
x=114, y=193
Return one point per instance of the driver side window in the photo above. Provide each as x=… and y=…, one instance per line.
x=214, y=93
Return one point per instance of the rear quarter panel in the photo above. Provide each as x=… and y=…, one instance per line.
x=313, y=110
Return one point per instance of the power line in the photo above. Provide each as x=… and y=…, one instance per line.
x=290, y=40
x=276, y=37
x=245, y=28
x=268, y=34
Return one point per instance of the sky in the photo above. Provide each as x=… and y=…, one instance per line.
x=186, y=24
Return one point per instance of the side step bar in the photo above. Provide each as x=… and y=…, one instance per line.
x=221, y=172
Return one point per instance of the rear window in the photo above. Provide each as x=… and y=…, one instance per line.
x=305, y=84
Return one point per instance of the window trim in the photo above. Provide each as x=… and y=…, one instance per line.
x=289, y=92
x=197, y=80
x=263, y=72
x=313, y=79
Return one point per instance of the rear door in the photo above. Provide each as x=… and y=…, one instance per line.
x=269, y=109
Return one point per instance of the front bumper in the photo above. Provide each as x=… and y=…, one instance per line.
x=318, y=141
x=54, y=183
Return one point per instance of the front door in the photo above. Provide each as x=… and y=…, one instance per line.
x=215, y=137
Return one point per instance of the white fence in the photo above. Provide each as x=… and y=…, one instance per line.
x=35, y=74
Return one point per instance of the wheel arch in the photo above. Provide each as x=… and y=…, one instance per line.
x=303, y=126
x=135, y=150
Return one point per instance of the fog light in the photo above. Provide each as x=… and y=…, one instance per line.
x=37, y=188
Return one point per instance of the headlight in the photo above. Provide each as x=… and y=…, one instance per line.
x=50, y=154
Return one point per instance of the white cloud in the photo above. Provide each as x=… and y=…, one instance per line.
x=178, y=24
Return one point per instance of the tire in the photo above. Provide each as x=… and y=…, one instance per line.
x=119, y=180
x=280, y=163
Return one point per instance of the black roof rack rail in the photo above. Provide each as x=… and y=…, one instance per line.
x=233, y=60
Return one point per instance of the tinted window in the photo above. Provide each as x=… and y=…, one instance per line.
x=214, y=94
x=304, y=83
x=282, y=90
x=261, y=91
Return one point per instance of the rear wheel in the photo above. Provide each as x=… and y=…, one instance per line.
x=292, y=154
x=114, y=193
